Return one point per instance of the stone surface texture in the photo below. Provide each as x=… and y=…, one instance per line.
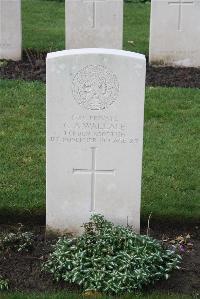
x=94, y=24
x=95, y=107
x=175, y=33
x=10, y=29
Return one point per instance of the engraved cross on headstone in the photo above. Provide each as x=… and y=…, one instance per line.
x=180, y=3
x=93, y=171
x=94, y=2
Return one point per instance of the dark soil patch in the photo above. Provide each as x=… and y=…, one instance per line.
x=173, y=77
x=187, y=279
x=33, y=67
x=24, y=270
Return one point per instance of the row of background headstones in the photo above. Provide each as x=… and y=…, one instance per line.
x=174, y=29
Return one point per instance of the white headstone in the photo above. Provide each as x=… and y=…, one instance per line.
x=94, y=24
x=95, y=103
x=175, y=32
x=10, y=29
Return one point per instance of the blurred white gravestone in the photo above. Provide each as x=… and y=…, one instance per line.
x=94, y=24
x=10, y=29
x=175, y=32
x=95, y=104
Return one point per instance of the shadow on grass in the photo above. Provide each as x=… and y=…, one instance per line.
x=10, y=216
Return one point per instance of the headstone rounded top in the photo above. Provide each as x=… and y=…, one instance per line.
x=96, y=51
x=95, y=87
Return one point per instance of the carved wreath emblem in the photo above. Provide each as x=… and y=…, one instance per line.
x=95, y=87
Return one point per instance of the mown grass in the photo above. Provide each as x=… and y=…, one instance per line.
x=22, y=132
x=63, y=295
x=136, y=27
x=171, y=176
x=170, y=188
x=44, y=25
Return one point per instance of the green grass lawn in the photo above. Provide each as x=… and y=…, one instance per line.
x=78, y=296
x=136, y=27
x=22, y=147
x=44, y=25
x=170, y=186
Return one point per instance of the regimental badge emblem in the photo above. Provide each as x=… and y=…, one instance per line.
x=95, y=87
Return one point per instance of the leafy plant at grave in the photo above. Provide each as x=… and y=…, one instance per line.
x=3, y=63
x=110, y=258
x=3, y=284
x=18, y=242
